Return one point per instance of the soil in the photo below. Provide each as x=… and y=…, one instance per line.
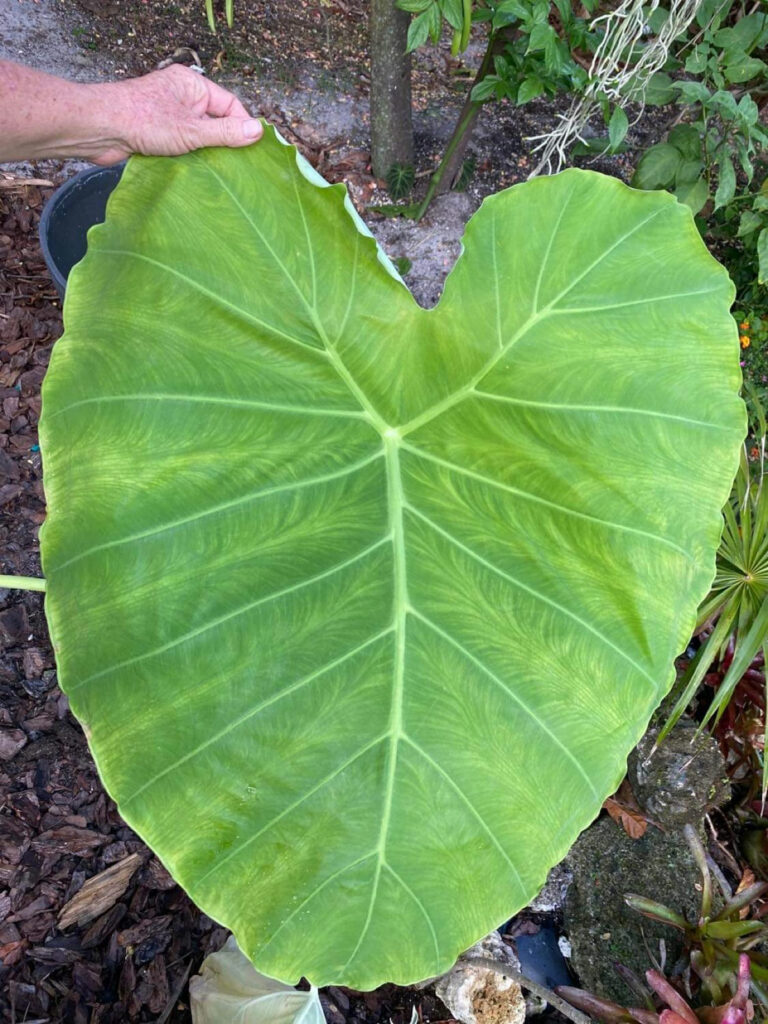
x=304, y=66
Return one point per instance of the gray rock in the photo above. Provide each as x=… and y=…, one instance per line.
x=681, y=780
x=551, y=898
x=602, y=929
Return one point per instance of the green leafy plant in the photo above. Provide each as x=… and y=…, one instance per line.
x=711, y=161
x=536, y=41
x=699, y=152
x=428, y=21
x=532, y=49
x=339, y=586
x=400, y=179
x=732, y=623
x=723, y=132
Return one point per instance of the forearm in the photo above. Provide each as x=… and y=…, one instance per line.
x=43, y=116
x=164, y=113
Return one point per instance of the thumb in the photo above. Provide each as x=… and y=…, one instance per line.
x=223, y=131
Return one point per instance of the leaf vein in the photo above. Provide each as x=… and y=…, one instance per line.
x=242, y=610
x=515, y=697
x=602, y=257
x=318, y=888
x=261, y=706
x=260, y=234
x=223, y=507
x=620, y=409
x=529, y=496
x=497, y=292
x=633, y=302
x=534, y=593
x=535, y=317
x=422, y=908
x=292, y=807
x=400, y=602
x=216, y=298
x=548, y=251
x=246, y=403
x=468, y=804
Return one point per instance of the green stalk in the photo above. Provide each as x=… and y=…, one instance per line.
x=209, y=15
x=467, y=27
x=230, y=12
x=22, y=582
x=746, y=649
x=466, y=121
x=434, y=183
x=700, y=665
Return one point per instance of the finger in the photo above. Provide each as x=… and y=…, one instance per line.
x=222, y=103
x=222, y=131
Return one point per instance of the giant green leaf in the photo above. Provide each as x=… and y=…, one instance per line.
x=362, y=606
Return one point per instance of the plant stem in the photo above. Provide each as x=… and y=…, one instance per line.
x=22, y=582
x=543, y=993
x=461, y=128
x=458, y=141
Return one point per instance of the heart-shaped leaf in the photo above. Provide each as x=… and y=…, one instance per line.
x=363, y=606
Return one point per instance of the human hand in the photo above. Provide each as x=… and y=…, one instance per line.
x=170, y=112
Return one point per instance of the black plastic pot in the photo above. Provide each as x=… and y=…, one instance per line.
x=541, y=959
x=69, y=213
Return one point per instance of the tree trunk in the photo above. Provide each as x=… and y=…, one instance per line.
x=391, y=125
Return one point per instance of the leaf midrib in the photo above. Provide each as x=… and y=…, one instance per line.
x=396, y=503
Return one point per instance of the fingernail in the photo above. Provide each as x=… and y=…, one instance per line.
x=252, y=129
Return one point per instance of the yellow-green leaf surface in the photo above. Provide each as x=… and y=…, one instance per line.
x=363, y=606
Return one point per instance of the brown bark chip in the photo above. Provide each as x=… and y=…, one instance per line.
x=99, y=893
x=11, y=742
